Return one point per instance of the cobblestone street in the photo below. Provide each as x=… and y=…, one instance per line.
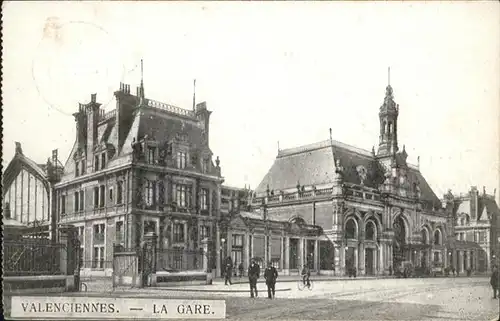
x=369, y=299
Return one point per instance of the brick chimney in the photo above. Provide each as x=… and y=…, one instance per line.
x=125, y=104
x=92, y=111
x=203, y=115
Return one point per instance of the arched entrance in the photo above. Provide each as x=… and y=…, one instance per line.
x=398, y=243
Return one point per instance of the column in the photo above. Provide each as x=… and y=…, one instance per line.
x=247, y=251
x=266, y=250
x=381, y=267
x=342, y=269
x=356, y=259
x=253, y=248
x=460, y=261
x=316, y=256
x=229, y=244
x=282, y=246
x=361, y=258
x=217, y=250
x=286, y=267
x=301, y=252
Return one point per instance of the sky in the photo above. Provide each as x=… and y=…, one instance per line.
x=271, y=72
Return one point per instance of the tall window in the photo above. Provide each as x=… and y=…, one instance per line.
x=102, y=195
x=82, y=200
x=98, y=259
x=151, y=155
x=181, y=159
x=96, y=163
x=119, y=232
x=178, y=232
x=182, y=195
x=204, y=199
x=205, y=165
x=96, y=197
x=82, y=167
x=81, y=238
x=110, y=194
x=103, y=160
x=149, y=193
x=76, y=202
x=63, y=204
x=204, y=232
x=119, y=192
x=237, y=240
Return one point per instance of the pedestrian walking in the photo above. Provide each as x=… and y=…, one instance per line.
x=253, y=275
x=270, y=274
x=240, y=268
x=494, y=281
x=229, y=271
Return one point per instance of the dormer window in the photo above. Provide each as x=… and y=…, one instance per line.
x=103, y=160
x=181, y=159
x=206, y=165
x=96, y=163
x=82, y=167
x=77, y=169
x=151, y=155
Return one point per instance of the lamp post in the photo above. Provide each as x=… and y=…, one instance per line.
x=222, y=257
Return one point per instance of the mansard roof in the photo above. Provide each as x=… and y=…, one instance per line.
x=154, y=119
x=314, y=164
x=487, y=208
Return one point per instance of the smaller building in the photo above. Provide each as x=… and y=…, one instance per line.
x=476, y=218
x=27, y=190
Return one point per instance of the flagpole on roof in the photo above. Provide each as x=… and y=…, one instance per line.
x=331, y=146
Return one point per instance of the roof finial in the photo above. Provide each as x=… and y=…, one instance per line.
x=142, y=83
x=194, y=94
x=278, y=145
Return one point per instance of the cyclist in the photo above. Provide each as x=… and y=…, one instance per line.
x=306, y=274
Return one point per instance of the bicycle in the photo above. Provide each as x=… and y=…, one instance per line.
x=301, y=285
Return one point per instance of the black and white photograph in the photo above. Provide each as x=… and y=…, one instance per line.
x=251, y=160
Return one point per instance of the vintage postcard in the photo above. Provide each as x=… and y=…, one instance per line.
x=251, y=160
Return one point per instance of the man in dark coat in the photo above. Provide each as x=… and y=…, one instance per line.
x=270, y=274
x=229, y=270
x=253, y=275
x=494, y=281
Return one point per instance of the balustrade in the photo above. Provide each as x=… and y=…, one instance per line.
x=170, y=108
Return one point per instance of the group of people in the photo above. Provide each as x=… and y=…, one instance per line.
x=270, y=276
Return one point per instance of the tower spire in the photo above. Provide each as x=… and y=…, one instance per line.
x=194, y=94
x=388, y=76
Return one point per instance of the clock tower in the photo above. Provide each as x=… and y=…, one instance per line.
x=388, y=116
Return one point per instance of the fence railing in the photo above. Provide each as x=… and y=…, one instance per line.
x=173, y=260
x=29, y=257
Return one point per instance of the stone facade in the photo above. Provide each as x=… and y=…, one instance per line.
x=341, y=209
x=475, y=217
x=142, y=167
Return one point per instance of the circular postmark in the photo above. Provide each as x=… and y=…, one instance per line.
x=74, y=60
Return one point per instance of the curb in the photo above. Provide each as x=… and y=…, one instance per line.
x=211, y=291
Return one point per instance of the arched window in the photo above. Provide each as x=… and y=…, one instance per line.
x=437, y=237
x=384, y=127
x=425, y=240
x=390, y=128
x=370, y=231
x=350, y=229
